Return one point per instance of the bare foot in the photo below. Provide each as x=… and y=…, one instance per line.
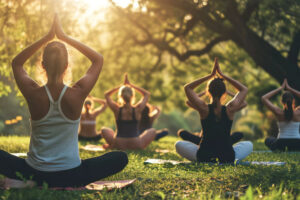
x=106, y=146
x=13, y=183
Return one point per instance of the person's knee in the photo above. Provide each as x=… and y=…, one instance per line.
x=178, y=146
x=121, y=157
x=152, y=130
x=249, y=145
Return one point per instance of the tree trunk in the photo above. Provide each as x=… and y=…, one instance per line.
x=267, y=57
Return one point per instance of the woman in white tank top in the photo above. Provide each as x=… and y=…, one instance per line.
x=288, y=119
x=55, y=109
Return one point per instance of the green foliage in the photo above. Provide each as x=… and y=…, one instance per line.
x=116, y=36
x=186, y=181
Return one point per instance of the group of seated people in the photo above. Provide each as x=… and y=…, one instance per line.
x=56, y=113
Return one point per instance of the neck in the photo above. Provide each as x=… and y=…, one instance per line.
x=216, y=102
x=55, y=82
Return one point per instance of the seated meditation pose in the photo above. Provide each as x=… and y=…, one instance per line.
x=216, y=121
x=127, y=115
x=196, y=137
x=87, y=128
x=55, y=110
x=149, y=114
x=288, y=119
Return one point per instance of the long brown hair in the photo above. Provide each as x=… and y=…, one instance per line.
x=288, y=100
x=216, y=88
x=55, y=60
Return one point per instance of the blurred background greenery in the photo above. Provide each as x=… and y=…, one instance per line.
x=162, y=44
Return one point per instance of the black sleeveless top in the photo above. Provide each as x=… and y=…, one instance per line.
x=215, y=144
x=127, y=128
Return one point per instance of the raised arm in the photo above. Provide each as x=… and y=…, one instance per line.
x=145, y=94
x=292, y=90
x=243, y=105
x=193, y=99
x=238, y=100
x=266, y=100
x=190, y=104
x=155, y=113
x=24, y=82
x=110, y=102
x=100, y=109
x=87, y=82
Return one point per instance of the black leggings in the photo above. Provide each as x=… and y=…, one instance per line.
x=185, y=135
x=90, y=170
x=282, y=144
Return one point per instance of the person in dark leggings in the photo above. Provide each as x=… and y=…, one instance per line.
x=216, y=121
x=127, y=117
x=55, y=109
x=196, y=138
x=288, y=119
x=87, y=128
x=147, y=120
x=90, y=170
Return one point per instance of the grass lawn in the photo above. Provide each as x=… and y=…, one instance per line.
x=189, y=181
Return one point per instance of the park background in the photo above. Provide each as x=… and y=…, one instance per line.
x=162, y=44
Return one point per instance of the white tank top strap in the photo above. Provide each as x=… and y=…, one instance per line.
x=62, y=93
x=49, y=94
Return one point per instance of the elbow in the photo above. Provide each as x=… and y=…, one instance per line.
x=98, y=59
x=245, y=89
x=186, y=88
x=14, y=63
x=106, y=95
x=263, y=99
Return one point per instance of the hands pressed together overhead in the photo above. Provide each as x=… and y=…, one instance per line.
x=56, y=30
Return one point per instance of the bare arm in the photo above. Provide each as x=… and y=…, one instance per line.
x=145, y=94
x=87, y=82
x=238, y=100
x=100, y=109
x=145, y=97
x=155, y=113
x=266, y=101
x=193, y=98
x=243, y=105
x=24, y=82
x=110, y=102
x=292, y=90
x=199, y=95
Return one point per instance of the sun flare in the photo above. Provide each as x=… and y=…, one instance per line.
x=94, y=4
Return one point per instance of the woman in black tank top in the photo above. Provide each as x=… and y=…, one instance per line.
x=216, y=120
x=127, y=119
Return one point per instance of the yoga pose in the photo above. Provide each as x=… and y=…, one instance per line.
x=288, y=119
x=216, y=121
x=55, y=109
x=127, y=118
x=196, y=138
x=147, y=120
x=87, y=128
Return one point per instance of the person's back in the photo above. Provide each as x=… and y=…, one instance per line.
x=87, y=127
x=128, y=127
x=53, y=142
x=55, y=111
x=216, y=130
x=288, y=120
x=216, y=119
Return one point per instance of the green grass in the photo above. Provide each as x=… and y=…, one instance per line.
x=189, y=181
